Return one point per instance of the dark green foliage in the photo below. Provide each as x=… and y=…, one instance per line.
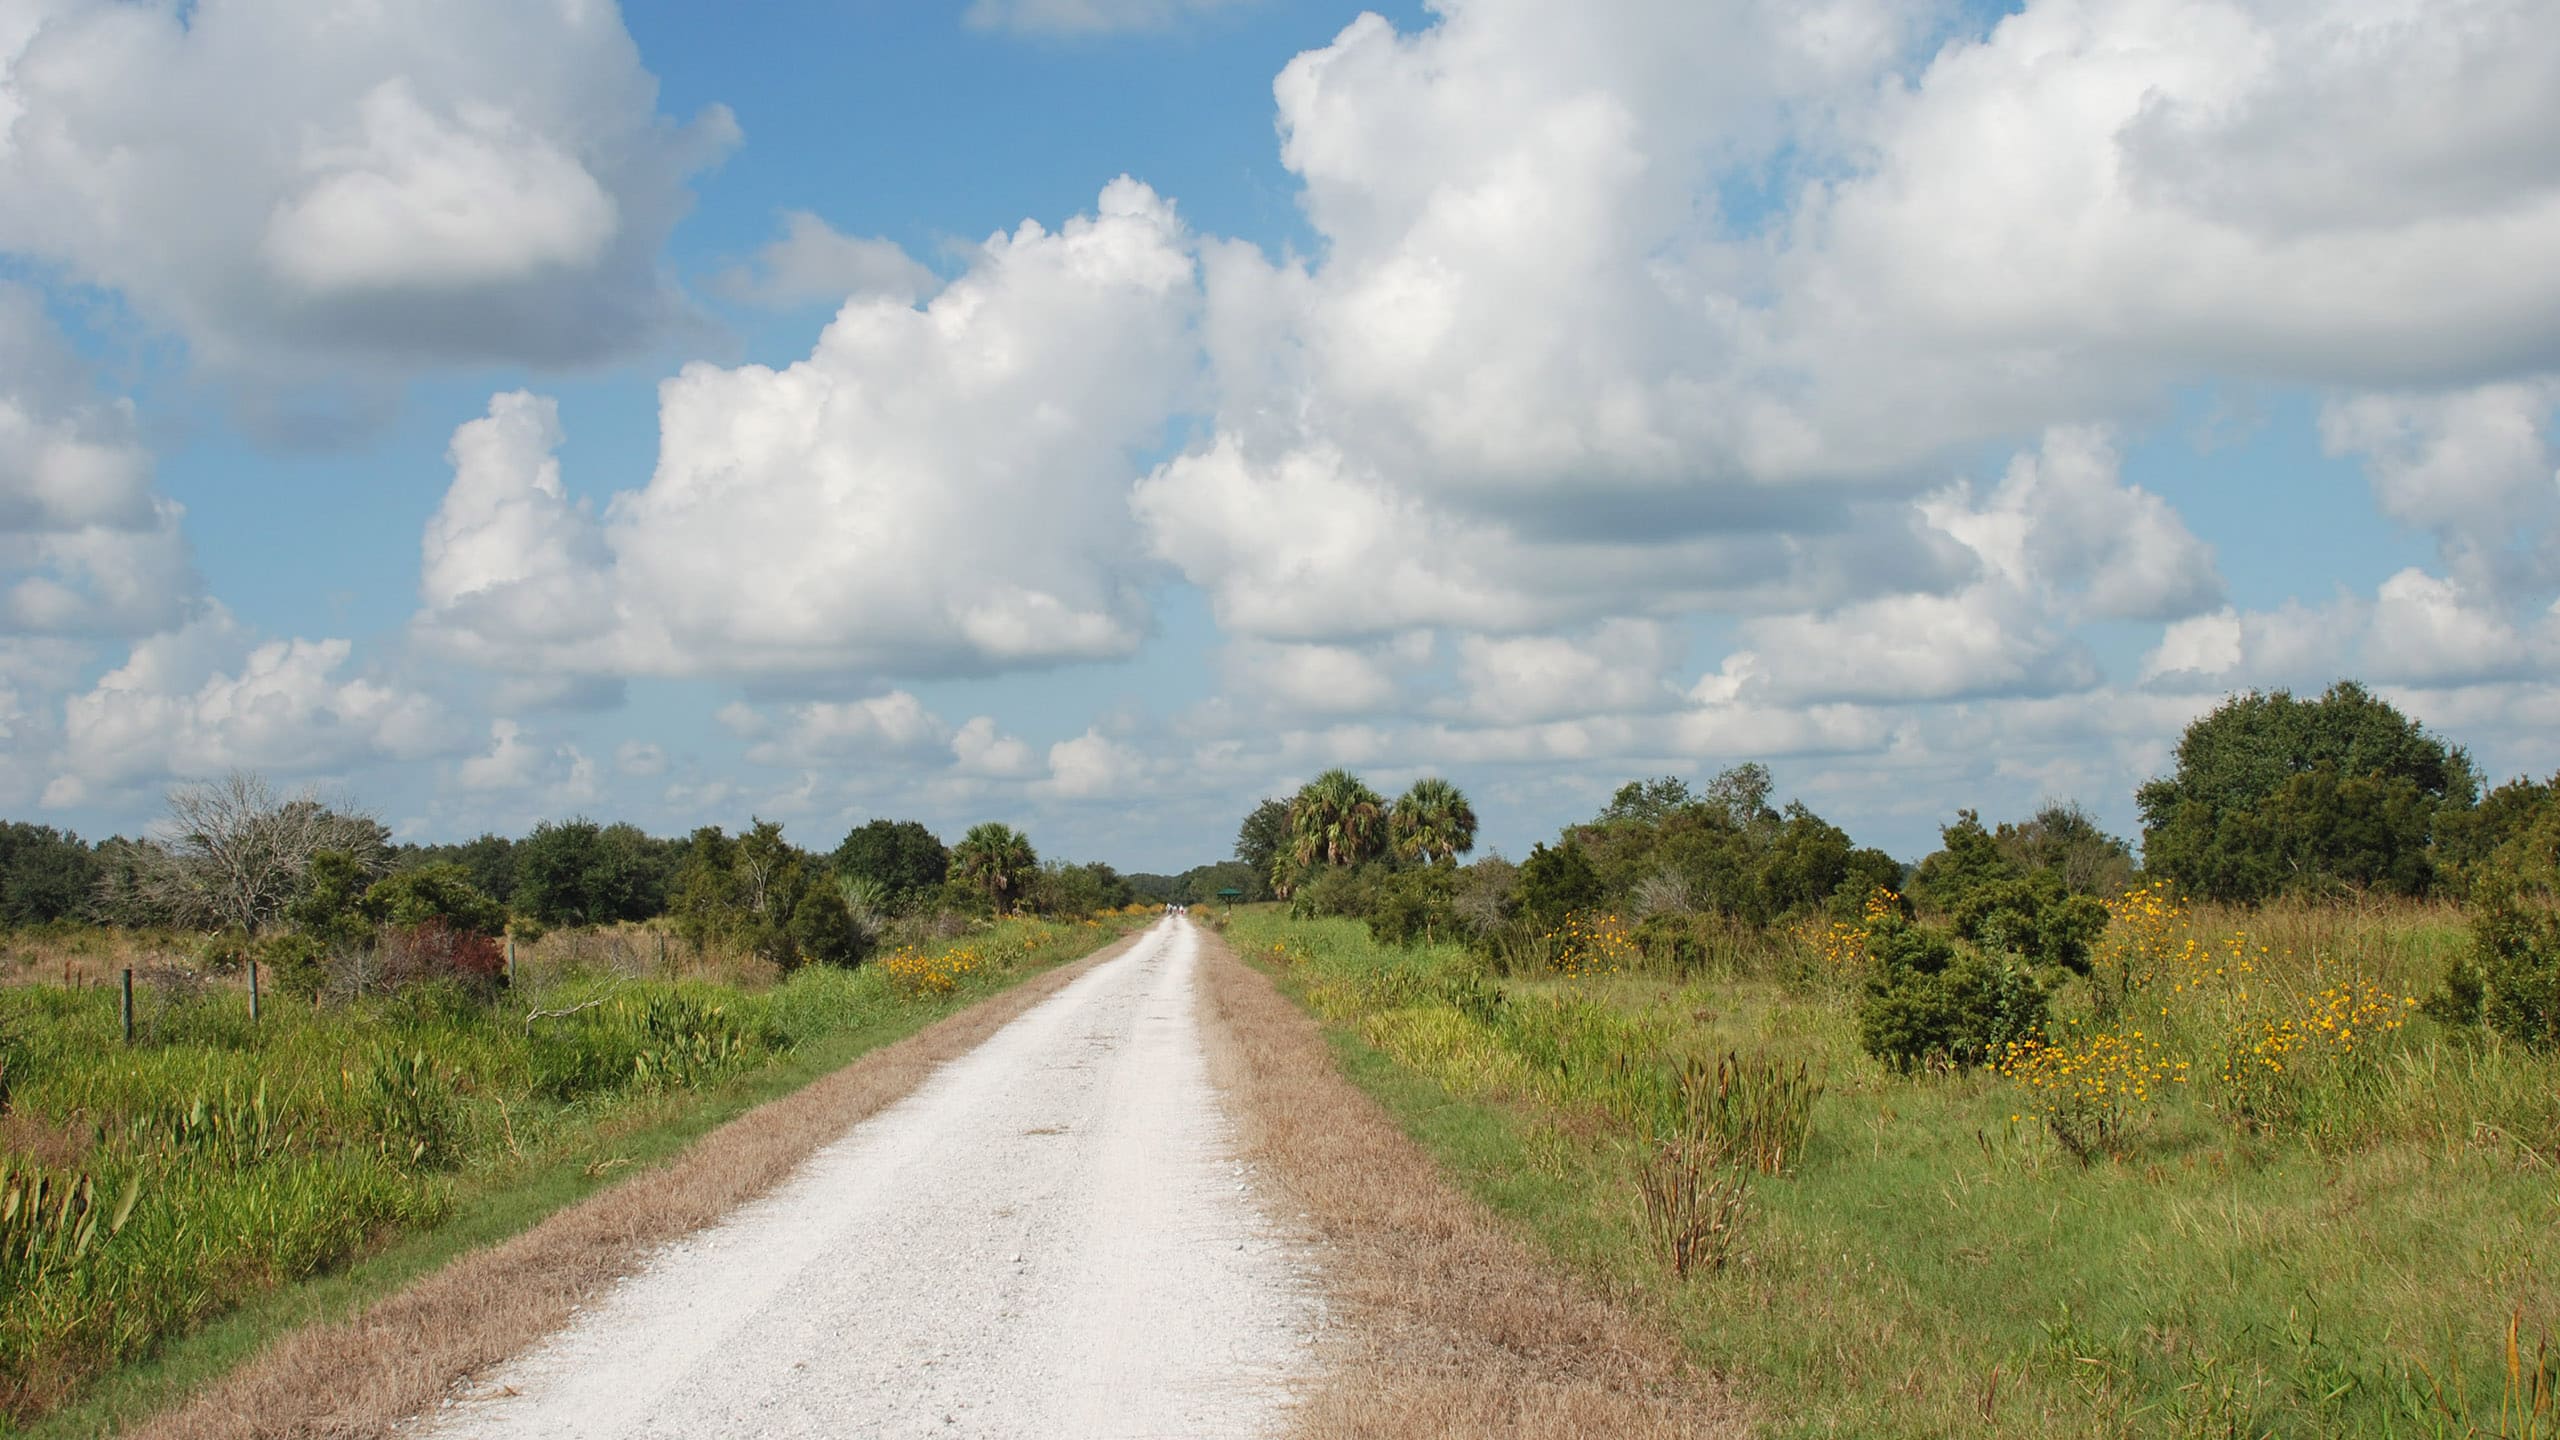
x=46, y=875
x=998, y=862
x=488, y=862
x=1337, y=890
x=1200, y=884
x=1077, y=890
x=822, y=929
x=1806, y=861
x=1259, y=840
x=576, y=872
x=1432, y=820
x=1967, y=858
x=1929, y=1000
x=1660, y=845
x=741, y=891
x=441, y=892
x=1647, y=802
x=1671, y=940
x=2515, y=961
x=1336, y=819
x=2275, y=795
x=907, y=861
x=330, y=908
x=1868, y=870
x=121, y=895
x=296, y=963
x=1555, y=882
x=2066, y=840
x=2033, y=917
x=1413, y=905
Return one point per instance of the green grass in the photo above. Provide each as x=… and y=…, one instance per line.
x=1932, y=1266
x=391, y=1137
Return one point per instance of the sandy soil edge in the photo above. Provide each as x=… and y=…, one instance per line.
x=1444, y=1322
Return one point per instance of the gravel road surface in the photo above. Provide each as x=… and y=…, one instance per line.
x=1050, y=1237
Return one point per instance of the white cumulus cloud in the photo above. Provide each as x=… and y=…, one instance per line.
x=393, y=186
x=932, y=490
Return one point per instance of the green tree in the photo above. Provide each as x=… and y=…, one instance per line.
x=1555, y=882
x=576, y=872
x=1336, y=819
x=1647, y=802
x=907, y=861
x=1078, y=890
x=1968, y=858
x=45, y=874
x=822, y=928
x=2273, y=795
x=434, y=892
x=2065, y=839
x=329, y=908
x=743, y=890
x=995, y=860
x=1432, y=821
x=1260, y=840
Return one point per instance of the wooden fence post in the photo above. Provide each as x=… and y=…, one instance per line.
x=126, y=1005
x=511, y=962
x=253, y=992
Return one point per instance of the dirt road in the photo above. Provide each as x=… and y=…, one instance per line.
x=1049, y=1238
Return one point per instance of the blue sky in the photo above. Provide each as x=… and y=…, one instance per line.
x=451, y=406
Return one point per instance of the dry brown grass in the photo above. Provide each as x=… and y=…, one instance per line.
x=1448, y=1323
x=366, y=1375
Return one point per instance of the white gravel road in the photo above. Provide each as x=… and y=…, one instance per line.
x=1050, y=1237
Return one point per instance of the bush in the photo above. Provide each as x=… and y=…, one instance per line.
x=296, y=964
x=2516, y=954
x=1556, y=882
x=1335, y=890
x=1413, y=906
x=1930, y=1001
x=2034, y=917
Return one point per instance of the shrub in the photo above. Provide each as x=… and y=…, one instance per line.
x=1556, y=882
x=1928, y=1001
x=1413, y=905
x=2091, y=1090
x=2034, y=917
x=434, y=950
x=296, y=964
x=2515, y=947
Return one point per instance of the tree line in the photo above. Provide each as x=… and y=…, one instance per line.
x=2272, y=795
x=308, y=882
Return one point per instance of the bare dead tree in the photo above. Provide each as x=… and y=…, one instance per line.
x=232, y=853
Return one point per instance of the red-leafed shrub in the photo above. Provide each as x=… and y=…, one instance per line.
x=432, y=949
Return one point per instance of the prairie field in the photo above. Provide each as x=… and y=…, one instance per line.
x=2245, y=1183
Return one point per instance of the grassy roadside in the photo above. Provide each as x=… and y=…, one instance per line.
x=1934, y=1263
x=519, y=1145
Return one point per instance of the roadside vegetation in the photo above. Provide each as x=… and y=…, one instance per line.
x=421, y=1044
x=2262, y=1139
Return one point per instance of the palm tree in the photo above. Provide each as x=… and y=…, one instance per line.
x=1336, y=820
x=1433, y=821
x=995, y=858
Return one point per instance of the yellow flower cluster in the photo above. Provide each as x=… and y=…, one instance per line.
x=914, y=973
x=2088, y=1088
x=1591, y=944
x=1837, y=948
x=2332, y=1023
